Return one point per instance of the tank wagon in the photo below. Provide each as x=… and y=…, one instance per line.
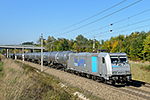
x=58, y=59
x=46, y=58
x=37, y=57
x=19, y=55
x=107, y=67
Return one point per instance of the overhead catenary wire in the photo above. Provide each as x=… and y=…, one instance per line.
x=90, y=17
x=132, y=16
x=128, y=25
x=123, y=31
x=118, y=21
x=100, y=18
x=121, y=27
x=134, y=28
x=127, y=30
x=133, y=24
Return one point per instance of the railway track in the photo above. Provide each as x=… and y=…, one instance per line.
x=136, y=93
x=137, y=83
x=136, y=88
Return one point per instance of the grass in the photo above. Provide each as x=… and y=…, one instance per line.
x=1, y=64
x=146, y=68
x=23, y=82
x=140, y=71
x=44, y=86
x=1, y=68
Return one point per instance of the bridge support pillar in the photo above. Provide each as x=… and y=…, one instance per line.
x=32, y=50
x=7, y=53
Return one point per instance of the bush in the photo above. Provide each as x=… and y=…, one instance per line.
x=147, y=68
x=1, y=64
x=1, y=68
x=143, y=61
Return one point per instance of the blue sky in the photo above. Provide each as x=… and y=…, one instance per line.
x=25, y=20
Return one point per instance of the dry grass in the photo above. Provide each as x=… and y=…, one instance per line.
x=1, y=64
x=11, y=86
x=138, y=73
x=1, y=70
x=25, y=83
x=2, y=57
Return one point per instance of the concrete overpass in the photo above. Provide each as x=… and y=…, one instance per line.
x=20, y=47
x=30, y=47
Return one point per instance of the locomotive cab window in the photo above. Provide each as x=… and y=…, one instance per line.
x=123, y=59
x=103, y=59
x=118, y=59
x=114, y=59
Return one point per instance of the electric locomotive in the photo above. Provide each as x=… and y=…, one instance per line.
x=109, y=67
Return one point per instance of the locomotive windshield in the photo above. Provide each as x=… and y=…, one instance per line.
x=118, y=59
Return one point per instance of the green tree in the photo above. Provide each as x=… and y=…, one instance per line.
x=141, y=38
x=71, y=42
x=49, y=43
x=107, y=45
x=126, y=45
x=27, y=43
x=146, y=45
x=134, y=49
x=64, y=45
x=82, y=42
x=115, y=47
x=39, y=42
x=75, y=46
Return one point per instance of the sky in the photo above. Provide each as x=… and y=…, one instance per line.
x=25, y=20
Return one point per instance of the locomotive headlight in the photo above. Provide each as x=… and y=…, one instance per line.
x=127, y=72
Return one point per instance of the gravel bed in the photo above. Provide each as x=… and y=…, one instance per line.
x=100, y=90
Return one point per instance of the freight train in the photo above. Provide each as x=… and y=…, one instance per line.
x=111, y=68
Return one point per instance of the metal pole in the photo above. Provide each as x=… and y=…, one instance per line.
x=15, y=52
x=33, y=49
x=23, y=55
x=42, y=52
x=94, y=44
